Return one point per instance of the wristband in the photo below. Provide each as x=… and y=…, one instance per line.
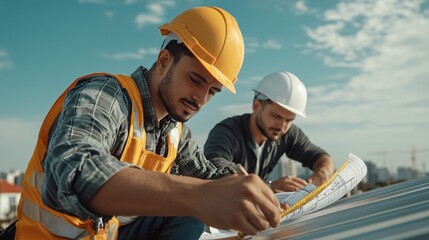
x=269, y=183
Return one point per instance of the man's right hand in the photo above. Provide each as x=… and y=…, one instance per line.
x=241, y=203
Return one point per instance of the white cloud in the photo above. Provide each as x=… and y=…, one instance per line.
x=356, y=30
x=253, y=44
x=94, y=1
x=109, y=14
x=396, y=67
x=272, y=44
x=5, y=65
x=5, y=62
x=3, y=53
x=301, y=7
x=155, y=15
x=129, y=2
x=156, y=8
x=138, y=55
x=385, y=105
x=148, y=18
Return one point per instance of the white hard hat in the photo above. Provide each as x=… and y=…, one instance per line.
x=285, y=89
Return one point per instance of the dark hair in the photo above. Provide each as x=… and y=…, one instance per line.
x=178, y=50
x=262, y=98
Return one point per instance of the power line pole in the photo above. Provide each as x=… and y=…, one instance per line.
x=413, y=162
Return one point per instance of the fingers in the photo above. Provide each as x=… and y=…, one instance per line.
x=284, y=206
x=247, y=204
x=245, y=224
x=261, y=208
x=252, y=220
x=313, y=180
x=272, y=210
x=317, y=179
x=298, y=181
x=288, y=184
x=258, y=221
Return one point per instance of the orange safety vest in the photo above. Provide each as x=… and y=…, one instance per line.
x=38, y=221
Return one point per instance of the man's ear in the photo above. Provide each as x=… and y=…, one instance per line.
x=256, y=104
x=163, y=61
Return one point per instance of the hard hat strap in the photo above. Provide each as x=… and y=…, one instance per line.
x=260, y=96
x=170, y=37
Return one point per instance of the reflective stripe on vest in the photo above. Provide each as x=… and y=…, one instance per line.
x=36, y=180
x=54, y=224
x=137, y=132
x=174, y=137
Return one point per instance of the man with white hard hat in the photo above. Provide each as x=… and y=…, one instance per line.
x=258, y=140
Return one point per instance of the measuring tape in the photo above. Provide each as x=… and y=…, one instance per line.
x=313, y=193
x=308, y=197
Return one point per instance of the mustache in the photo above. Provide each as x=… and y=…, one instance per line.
x=276, y=129
x=193, y=103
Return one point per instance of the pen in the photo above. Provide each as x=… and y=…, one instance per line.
x=240, y=169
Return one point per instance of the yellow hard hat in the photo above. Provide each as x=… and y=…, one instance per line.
x=213, y=36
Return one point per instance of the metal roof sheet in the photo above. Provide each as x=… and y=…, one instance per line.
x=399, y=211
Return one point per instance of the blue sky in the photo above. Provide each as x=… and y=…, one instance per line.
x=365, y=64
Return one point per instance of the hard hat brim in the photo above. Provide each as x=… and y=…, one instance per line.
x=297, y=112
x=300, y=113
x=219, y=76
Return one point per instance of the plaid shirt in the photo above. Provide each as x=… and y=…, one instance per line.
x=88, y=137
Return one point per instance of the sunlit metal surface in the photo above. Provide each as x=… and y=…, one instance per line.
x=399, y=211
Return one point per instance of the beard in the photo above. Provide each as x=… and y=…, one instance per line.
x=265, y=130
x=165, y=93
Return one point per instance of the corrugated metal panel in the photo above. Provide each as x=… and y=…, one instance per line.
x=399, y=211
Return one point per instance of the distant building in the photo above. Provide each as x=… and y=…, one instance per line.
x=383, y=174
x=304, y=173
x=13, y=177
x=285, y=167
x=405, y=173
x=371, y=175
x=9, y=199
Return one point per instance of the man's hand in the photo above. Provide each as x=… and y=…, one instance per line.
x=318, y=178
x=241, y=203
x=323, y=170
x=288, y=184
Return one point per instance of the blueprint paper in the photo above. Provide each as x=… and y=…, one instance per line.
x=296, y=196
x=346, y=180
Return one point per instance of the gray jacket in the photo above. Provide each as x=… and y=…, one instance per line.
x=229, y=142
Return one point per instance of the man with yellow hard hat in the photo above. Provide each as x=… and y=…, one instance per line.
x=100, y=168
